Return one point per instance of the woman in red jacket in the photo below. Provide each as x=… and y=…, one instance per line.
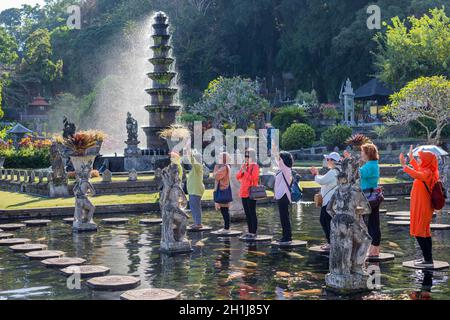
x=248, y=176
x=425, y=173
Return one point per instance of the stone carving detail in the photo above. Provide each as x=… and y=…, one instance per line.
x=173, y=203
x=84, y=209
x=106, y=176
x=349, y=237
x=132, y=175
x=132, y=129
x=69, y=128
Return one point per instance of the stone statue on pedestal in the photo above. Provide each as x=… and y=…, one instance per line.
x=132, y=129
x=349, y=237
x=84, y=209
x=173, y=203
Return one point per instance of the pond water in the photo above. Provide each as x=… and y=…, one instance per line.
x=218, y=268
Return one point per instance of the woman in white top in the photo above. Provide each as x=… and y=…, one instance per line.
x=283, y=180
x=328, y=185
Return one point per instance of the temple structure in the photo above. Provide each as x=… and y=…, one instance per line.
x=162, y=108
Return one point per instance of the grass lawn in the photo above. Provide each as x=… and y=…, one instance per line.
x=13, y=200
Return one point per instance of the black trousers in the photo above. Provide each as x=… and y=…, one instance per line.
x=373, y=225
x=250, y=214
x=226, y=217
x=325, y=222
x=283, y=209
x=426, y=245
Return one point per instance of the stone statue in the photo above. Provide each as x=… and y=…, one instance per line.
x=69, y=128
x=349, y=237
x=84, y=209
x=132, y=128
x=58, y=169
x=173, y=203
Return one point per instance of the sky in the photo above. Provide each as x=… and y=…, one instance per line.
x=6, y=4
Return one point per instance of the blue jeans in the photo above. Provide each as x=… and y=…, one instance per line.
x=195, y=203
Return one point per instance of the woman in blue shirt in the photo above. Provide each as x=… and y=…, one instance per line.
x=370, y=176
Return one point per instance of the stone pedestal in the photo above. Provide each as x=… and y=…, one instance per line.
x=343, y=283
x=79, y=226
x=176, y=247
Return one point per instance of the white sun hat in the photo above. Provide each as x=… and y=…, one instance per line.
x=333, y=156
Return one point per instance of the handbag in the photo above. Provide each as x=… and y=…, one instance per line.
x=257, y=192
x=294, y=189
x=374, y=196
x=223, y=196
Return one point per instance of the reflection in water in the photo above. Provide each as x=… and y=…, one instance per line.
x=218, y=268
x=425, y=288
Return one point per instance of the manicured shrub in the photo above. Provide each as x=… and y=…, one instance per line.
x=287, y=116
x=335, y=136
x=298, y=135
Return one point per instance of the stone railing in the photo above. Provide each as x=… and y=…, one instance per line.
x=26, y=181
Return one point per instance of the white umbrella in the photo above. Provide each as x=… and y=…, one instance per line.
x=435, y=149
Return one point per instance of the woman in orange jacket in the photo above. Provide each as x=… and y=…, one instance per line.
x=248, y=176
x=425, y=173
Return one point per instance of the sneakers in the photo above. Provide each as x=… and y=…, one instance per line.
x=325, y=247
x=224, y=230
x=424, y=264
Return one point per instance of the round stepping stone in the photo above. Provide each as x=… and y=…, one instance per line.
x=229, y=233
x=13, y=241
x=1, y=230
x=62, y=262
x=390, y=199
x=28, y=247
x=4, y=235
x=204, y=228
x=403, y=223
x=318, y=249
x=259, y=238
x=399, y=214
x=150, y=221
x=402, y=218
x=407, y=198
x=44, y=254
x=438, y=226
x=151, y=294
x=36, y=223
x=383, y=211
x=292, y=244
x=438, y=265
x=383, y=257
x=86, y=271
x=115, y=220
x=68, y=220
x=113, y=283
x=12, y=226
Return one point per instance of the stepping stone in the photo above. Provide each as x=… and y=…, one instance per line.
x=44, y=254
x=150, y=221
x=318, y=249
x=115, y=220
x=62, y=262
x=408, y=218
x=13, y=241
x=383, y=211
x=403, y=223
x=28, y=247
x=408, y=198
x=205, y=228
x=292, y=244
x=383, y=257
x=68, y=220
x=259, y=238
x=36, y=223
x=1, y=230
x=438, y=226
x=12, y=226
x=114, y=283
x=151, y=294
x=399, y=214
x=229, y=233
x=390, y=199
x=4, y=235
x=86, y=271
x=438, y=265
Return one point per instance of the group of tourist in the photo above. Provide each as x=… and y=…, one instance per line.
x=424, y=170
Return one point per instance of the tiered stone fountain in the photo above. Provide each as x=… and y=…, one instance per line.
x=162, y=108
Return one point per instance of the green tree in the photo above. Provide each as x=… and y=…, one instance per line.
x=423, y=49
x=286, y=116
x=8, y=48
x=231, y=100
x=298, y=135
x=423, y=98
x=336, y=136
